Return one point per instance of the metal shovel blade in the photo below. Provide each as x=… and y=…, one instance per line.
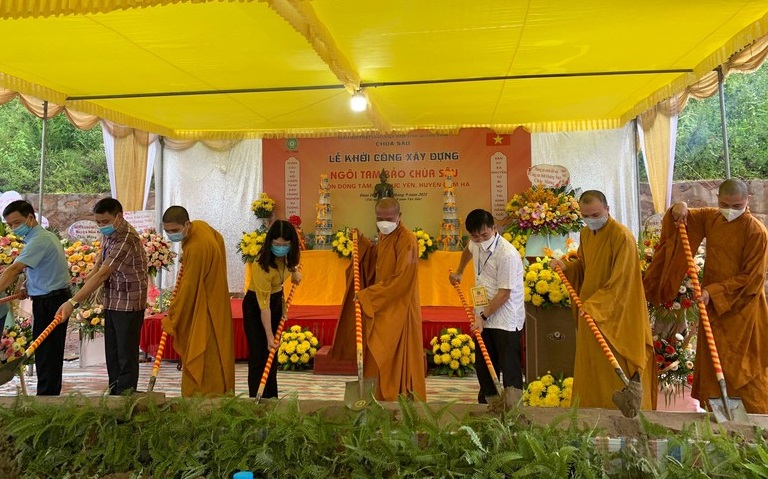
x=630, y=398
x=732, y=409
x=358, y=398
x=9, y=370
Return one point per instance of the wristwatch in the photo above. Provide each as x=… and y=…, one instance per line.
x=74, y=303
x=482, y=315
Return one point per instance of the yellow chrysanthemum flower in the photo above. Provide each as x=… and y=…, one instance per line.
x=542, y=287
x=464, y=360
x=282, y=358
x=455, y=353
x=304, y=358
x=296, y=329
x=537, y=300
x=536, y=267
x=445, y=338
x=437, y=359
x=456, y=342
x=445, y=347
x=446, y=358
x=313, y=341
x=454, y=365
x=531, y=276
x=294, y=358
x=434, y=341
x=465, y=351
x=452, y=331
x=568, y=382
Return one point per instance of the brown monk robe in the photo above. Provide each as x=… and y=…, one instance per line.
x=734, y=279
x=394, y=352
x=608, y=280
x=200, y=317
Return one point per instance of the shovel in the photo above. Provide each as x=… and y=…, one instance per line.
x=501, y=396
x=628, y=399
x=274, y=346
x=358, y=395
x=8, y=370
x=724, y=408
x=163, y=337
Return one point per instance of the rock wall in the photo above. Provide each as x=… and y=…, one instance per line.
x=704, y=193
x=62, y=210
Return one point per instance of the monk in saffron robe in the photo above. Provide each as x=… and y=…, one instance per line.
x=608, y=280
x=394, y=352
x=200, y=317
x=732, y=289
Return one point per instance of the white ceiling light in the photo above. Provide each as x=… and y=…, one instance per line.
x=358, y=101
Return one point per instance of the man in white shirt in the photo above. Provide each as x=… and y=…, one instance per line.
x=498, y=299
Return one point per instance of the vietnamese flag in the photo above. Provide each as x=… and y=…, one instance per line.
x=495, y=139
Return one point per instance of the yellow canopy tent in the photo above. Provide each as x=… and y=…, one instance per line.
x=196, y=69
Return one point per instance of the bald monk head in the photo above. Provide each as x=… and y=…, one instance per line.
x=387, y=215
x=732, y=198
x=594, y=209
x=176, y=223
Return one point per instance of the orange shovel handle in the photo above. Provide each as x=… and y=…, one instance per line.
x=704, y=316
x=275, y=345
x=471, y=316
x=593, y=327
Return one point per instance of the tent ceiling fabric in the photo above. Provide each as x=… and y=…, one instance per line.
x=63, y=50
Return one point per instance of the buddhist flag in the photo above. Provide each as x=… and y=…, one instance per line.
x=495, y=139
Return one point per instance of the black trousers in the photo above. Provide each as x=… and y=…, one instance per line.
x=122, y=331
x=505, y=351
x=49, y=357
x=257, y=342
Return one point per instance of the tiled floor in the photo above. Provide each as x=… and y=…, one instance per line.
x=305, y=385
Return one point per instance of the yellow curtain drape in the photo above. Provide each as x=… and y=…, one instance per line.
x=659, y=129
x=215, y=145
x=34, y=105
x=130, y=150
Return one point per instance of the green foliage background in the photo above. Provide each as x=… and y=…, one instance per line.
x=75, y=161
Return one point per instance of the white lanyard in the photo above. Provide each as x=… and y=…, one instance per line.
x=493, y=250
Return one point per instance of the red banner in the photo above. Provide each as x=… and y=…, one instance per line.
x=488, y=168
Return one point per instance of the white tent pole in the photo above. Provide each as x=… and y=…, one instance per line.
x=42, y=163
x=721, y=94
x=637, y=180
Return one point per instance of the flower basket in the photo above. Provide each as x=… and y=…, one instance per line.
x=453, y=353
x=342, y=243
x=159, y=254
x=250, y=245
x=263, y=206
x=297, y=349
x=15, y=340
x=544, y=211
x=427, y=244
x=674, y=357
x=82, y=259
x=543, y=287
x=90, y=319
x=547, y=391
x=10, y=247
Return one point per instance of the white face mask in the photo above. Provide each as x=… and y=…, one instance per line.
x=487, y=243
x=595, y=223
x=386, y=227
x=731, y=214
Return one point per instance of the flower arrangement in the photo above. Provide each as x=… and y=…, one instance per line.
x=549, y=392
x=544, y=211
x=159, y=254
x=250, y=245
x=518, y=240
x=452, y=352
x=342, y=243
x=543, y=287
x=263, y=206
x=90, y=319
x=161, y=303
x=427, y=244
x=82, y=259
x=15, y=340
x=10, y=248
x=674, y=357
x=296, y=222
x=297, y=349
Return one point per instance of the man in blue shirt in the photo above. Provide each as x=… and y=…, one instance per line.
x=47, y=284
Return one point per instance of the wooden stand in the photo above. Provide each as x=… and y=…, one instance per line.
x=550, y=342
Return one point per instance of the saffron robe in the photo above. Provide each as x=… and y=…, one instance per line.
x=734, y=276
x=608, y=280
x=200, y=317
x=394, y=352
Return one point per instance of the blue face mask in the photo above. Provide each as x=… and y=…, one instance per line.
x=107, y=230
x=22, y=230
x=176, y=237
x=280, y=250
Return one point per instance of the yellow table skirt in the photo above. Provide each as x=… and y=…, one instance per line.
x=323, y=279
